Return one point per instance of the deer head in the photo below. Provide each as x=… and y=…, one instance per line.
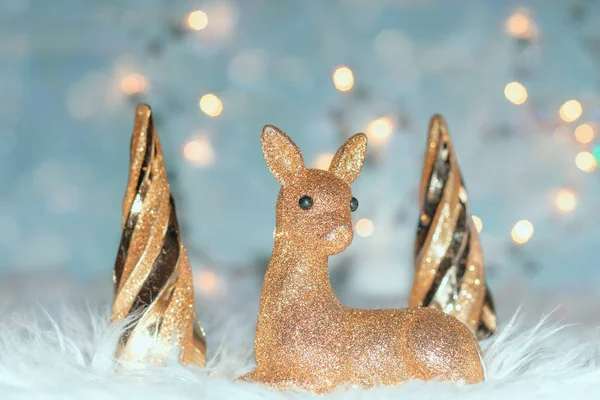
x=313, y=207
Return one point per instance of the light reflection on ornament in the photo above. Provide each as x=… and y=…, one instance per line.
x=478, y=223
x=199, y=152
x=570, y=110
x=379, y=130
x=323, y=160
x=364, y=227
x=565, y=200
x=584, y=133
x=522, y=231
x=343, y=78
x=515, y=93
x=585, y=161
x=134, y=83
x=211, y=105
x=197, y=20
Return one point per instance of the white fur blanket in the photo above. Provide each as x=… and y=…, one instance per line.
x=65, y=352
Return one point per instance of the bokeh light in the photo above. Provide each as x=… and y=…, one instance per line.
x=211, y=105
x=515, y=93
x=522, y=231
x=379, y=130
x=224, y=16
x=364, y=227
x=478, y=223
x=134, y=83
x=596, y=153
x=323, y=160
x=197, y=20
x=585, y=161
x=565, y=200
x=570, y=110
x=206, y=282
x=199, y=152
x=519, y=25
x=584, y=133
x=343, y=79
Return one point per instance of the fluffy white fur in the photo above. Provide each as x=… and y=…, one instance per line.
x=68, y=355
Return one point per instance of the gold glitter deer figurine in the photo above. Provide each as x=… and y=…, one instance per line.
x=304, y=336
x=448, y=257
x=152, y=274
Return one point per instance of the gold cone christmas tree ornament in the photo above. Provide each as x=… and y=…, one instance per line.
x=449, y=266
x=153, y=278
x=304, y=336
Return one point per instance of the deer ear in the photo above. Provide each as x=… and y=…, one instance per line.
x=350, y=158
x=281, y=154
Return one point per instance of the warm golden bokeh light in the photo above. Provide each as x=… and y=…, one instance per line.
x=206, y=282
x=364, y=227
x=515, y=93
x=378, y=130
x=565, y=200
x=343, y=79
x=520, y=26
x=478, y=223
x=585, y=161
x=584, y=133
x=570, y=110
x=199, y=152
x=323, y=160
x=134, y=83
x=197, y=20
x=522, y=231
x=211, y=105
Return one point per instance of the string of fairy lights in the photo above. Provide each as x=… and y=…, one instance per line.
x=198, y=151
x=519, y=25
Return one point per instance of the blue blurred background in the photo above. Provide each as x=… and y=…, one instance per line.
x=517, y=82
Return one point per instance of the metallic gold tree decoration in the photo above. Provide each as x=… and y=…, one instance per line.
x=448, y=256
x=153, y=278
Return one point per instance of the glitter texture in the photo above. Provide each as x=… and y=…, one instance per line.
x=153, y=279
x=448, y=257
x=304, y=336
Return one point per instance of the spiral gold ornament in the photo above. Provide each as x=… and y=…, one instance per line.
x=448, y=258
x=152, y=275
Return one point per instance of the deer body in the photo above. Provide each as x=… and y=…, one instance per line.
x=304, y=336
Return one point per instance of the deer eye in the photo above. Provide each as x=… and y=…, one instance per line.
x=353, y=204
x=305, y=202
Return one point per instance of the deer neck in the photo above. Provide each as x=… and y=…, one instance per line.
x=296, y=273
